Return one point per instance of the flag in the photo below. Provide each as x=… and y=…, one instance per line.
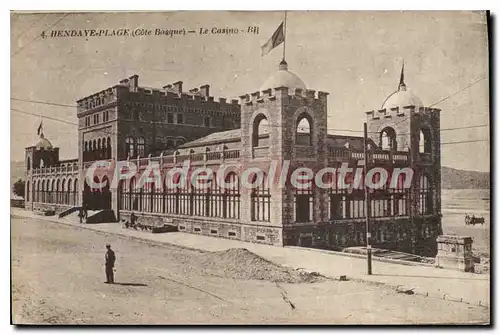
x=402, y=78
x=40, y=128
x=277, y=38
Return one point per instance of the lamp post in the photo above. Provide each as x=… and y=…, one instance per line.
x=367, y=203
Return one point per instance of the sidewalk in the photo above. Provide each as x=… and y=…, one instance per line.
x=424, y=280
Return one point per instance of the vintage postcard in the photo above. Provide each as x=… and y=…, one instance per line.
x=231, y=167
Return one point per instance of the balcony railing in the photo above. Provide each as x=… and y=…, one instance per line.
x=260, y=152
x=55, y=170
x=346, y=154
x=305, y=151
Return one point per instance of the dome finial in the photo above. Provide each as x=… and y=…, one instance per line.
x=402, y=85
x=283, y=65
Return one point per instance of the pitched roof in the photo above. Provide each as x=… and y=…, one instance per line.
x=219, y=137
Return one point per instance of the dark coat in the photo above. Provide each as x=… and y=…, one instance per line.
x=110, y=258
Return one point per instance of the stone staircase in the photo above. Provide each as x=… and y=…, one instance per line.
x=97, y=216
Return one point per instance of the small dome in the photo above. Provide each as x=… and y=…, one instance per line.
x=283, y=78
x=401, y=98
x=43, y=143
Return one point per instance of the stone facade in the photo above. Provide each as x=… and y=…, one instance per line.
x=279, y=130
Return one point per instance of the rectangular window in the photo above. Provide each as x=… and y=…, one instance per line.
x=303, y=203
x=170, y=118
x=206, y=121
x=261, y=202
x=180, y=118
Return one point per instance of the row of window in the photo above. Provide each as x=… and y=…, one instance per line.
x=56, y=192
x=95, y=118
x=97, y=149
x=388, y=140
x=94, y=103
x=183, y=200
x=261, y=128
x=172, y=118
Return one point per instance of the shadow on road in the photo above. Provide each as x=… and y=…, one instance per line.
x=130, y=284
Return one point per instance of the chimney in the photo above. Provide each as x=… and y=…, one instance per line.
x=134, y=82
x=205, y=90
x=178, y=86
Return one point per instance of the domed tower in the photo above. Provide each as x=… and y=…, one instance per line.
x=403, y=123
x=41, y=154
x=283, y=123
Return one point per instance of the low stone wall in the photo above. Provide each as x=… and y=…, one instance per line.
x=17, y=203
x=43, y=207
x=231, y=229
x=417, y=236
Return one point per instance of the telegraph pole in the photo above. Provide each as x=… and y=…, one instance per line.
x=367, y=203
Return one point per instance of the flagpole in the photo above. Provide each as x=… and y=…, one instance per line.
x=284, y=39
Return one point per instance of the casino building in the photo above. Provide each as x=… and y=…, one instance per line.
x=284, y=120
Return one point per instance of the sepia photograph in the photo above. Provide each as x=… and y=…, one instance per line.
x=250, y=168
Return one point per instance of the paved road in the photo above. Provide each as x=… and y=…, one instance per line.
x=58, y=278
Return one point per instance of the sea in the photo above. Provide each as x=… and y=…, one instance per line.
x=455, y=204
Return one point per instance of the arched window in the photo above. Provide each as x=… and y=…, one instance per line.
x=216, y=197
x=63, y=196
x=260, y=199
x=388, y=139
x=170, y=144
x=104, y=150
x=201, y=196
x=69, y=190
x=27, y=191
x=123, y=195
x=141, y=147
x=75, y=192
x=171, y=194
x=43, y=191
x=260, y=136
x=425, y=143
x=58, y=192
x=303, y=131
x=156, y=198
x=52, y=191
x=425, y=200
x=99, y=149
x=130, y=147
x=38, y=191
x=185, y=194
x=303, y=203
x=28, y=164
x=135, y=195
x=94, y=150
x=180, y=141
x=108, y=147
x=232, y=196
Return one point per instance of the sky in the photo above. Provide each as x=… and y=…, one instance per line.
x=355, y=56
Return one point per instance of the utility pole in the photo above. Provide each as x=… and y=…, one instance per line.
x=367, y=203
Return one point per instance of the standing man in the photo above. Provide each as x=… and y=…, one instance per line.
x=85, y=211
x=80, y=214
x=110, y=264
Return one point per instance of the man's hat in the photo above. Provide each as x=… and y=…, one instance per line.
x=108, y=245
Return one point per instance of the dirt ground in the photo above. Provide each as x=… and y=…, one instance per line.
x=58, y=278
